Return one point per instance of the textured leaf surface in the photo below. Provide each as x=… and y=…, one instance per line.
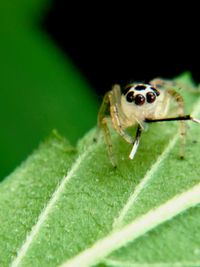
x=24, y=194
x=58, y=219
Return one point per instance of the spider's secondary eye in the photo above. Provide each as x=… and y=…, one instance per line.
x=155, y=91
x=126, y=89
x=130, y=97
x=150, y=97
x=140, y=87
x=139, y=100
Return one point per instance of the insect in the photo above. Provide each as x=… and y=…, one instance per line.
x=139, y=104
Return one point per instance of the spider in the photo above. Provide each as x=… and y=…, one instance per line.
x=140, y=103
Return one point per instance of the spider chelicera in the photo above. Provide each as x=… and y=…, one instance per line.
x=139, y=104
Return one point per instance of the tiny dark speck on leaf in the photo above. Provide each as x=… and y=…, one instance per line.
x=194, y=141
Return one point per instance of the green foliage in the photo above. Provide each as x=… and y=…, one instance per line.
x=40, y=89
x=60, y=204
x=25, y=192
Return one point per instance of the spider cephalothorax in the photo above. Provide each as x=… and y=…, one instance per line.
x=141, y=101
x=139, y=104
x=140, y=94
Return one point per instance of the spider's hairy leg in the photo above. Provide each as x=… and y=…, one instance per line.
x=182, y=125
x=101, y=114
x=118, y=126
x=117, y=114
x=107, y=138
x=175, y=84
x=167, y=85
x=161, y=82
x=103, y=124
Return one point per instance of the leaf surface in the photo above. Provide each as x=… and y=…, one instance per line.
x=24, y=194
x=93, y=203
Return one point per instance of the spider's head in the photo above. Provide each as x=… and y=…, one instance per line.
x=140, y=94
x=139, y=101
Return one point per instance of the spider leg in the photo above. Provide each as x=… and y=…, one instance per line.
x=117, y=115
x=167, y=85
x=181, y=119
x=102, y=111
x=103, y=124
x=182, y=126
x=178, y=84
x=112, y=100
x=108, y=141
x=136, y=143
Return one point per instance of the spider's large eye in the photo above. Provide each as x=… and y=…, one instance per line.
x=130, y=97
x=151, y=97
x=139, y=100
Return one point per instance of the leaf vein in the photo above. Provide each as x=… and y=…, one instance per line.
x=148, y=176
x=47, y=209
x=135, y=229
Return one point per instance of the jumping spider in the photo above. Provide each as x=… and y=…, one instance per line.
x=139, y=104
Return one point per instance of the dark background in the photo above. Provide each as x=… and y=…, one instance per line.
x=124, y=42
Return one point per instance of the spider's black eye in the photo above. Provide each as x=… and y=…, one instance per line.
x=140, y=87
x=126, y=89
x=155, y=90
x=130, y=97
x=139, y=100
x=151, y=97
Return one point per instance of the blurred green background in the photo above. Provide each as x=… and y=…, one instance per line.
x=40, y=89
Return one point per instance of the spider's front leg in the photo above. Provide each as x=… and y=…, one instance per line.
x=112, y=103
x=168, y=87
x=117, y=116
x=182, y=125
x=176, y=83
x=103, y=124
x=121, y=131
x=119, y=120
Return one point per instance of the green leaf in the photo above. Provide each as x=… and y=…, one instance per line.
x=25, y=193
x=59, y=208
